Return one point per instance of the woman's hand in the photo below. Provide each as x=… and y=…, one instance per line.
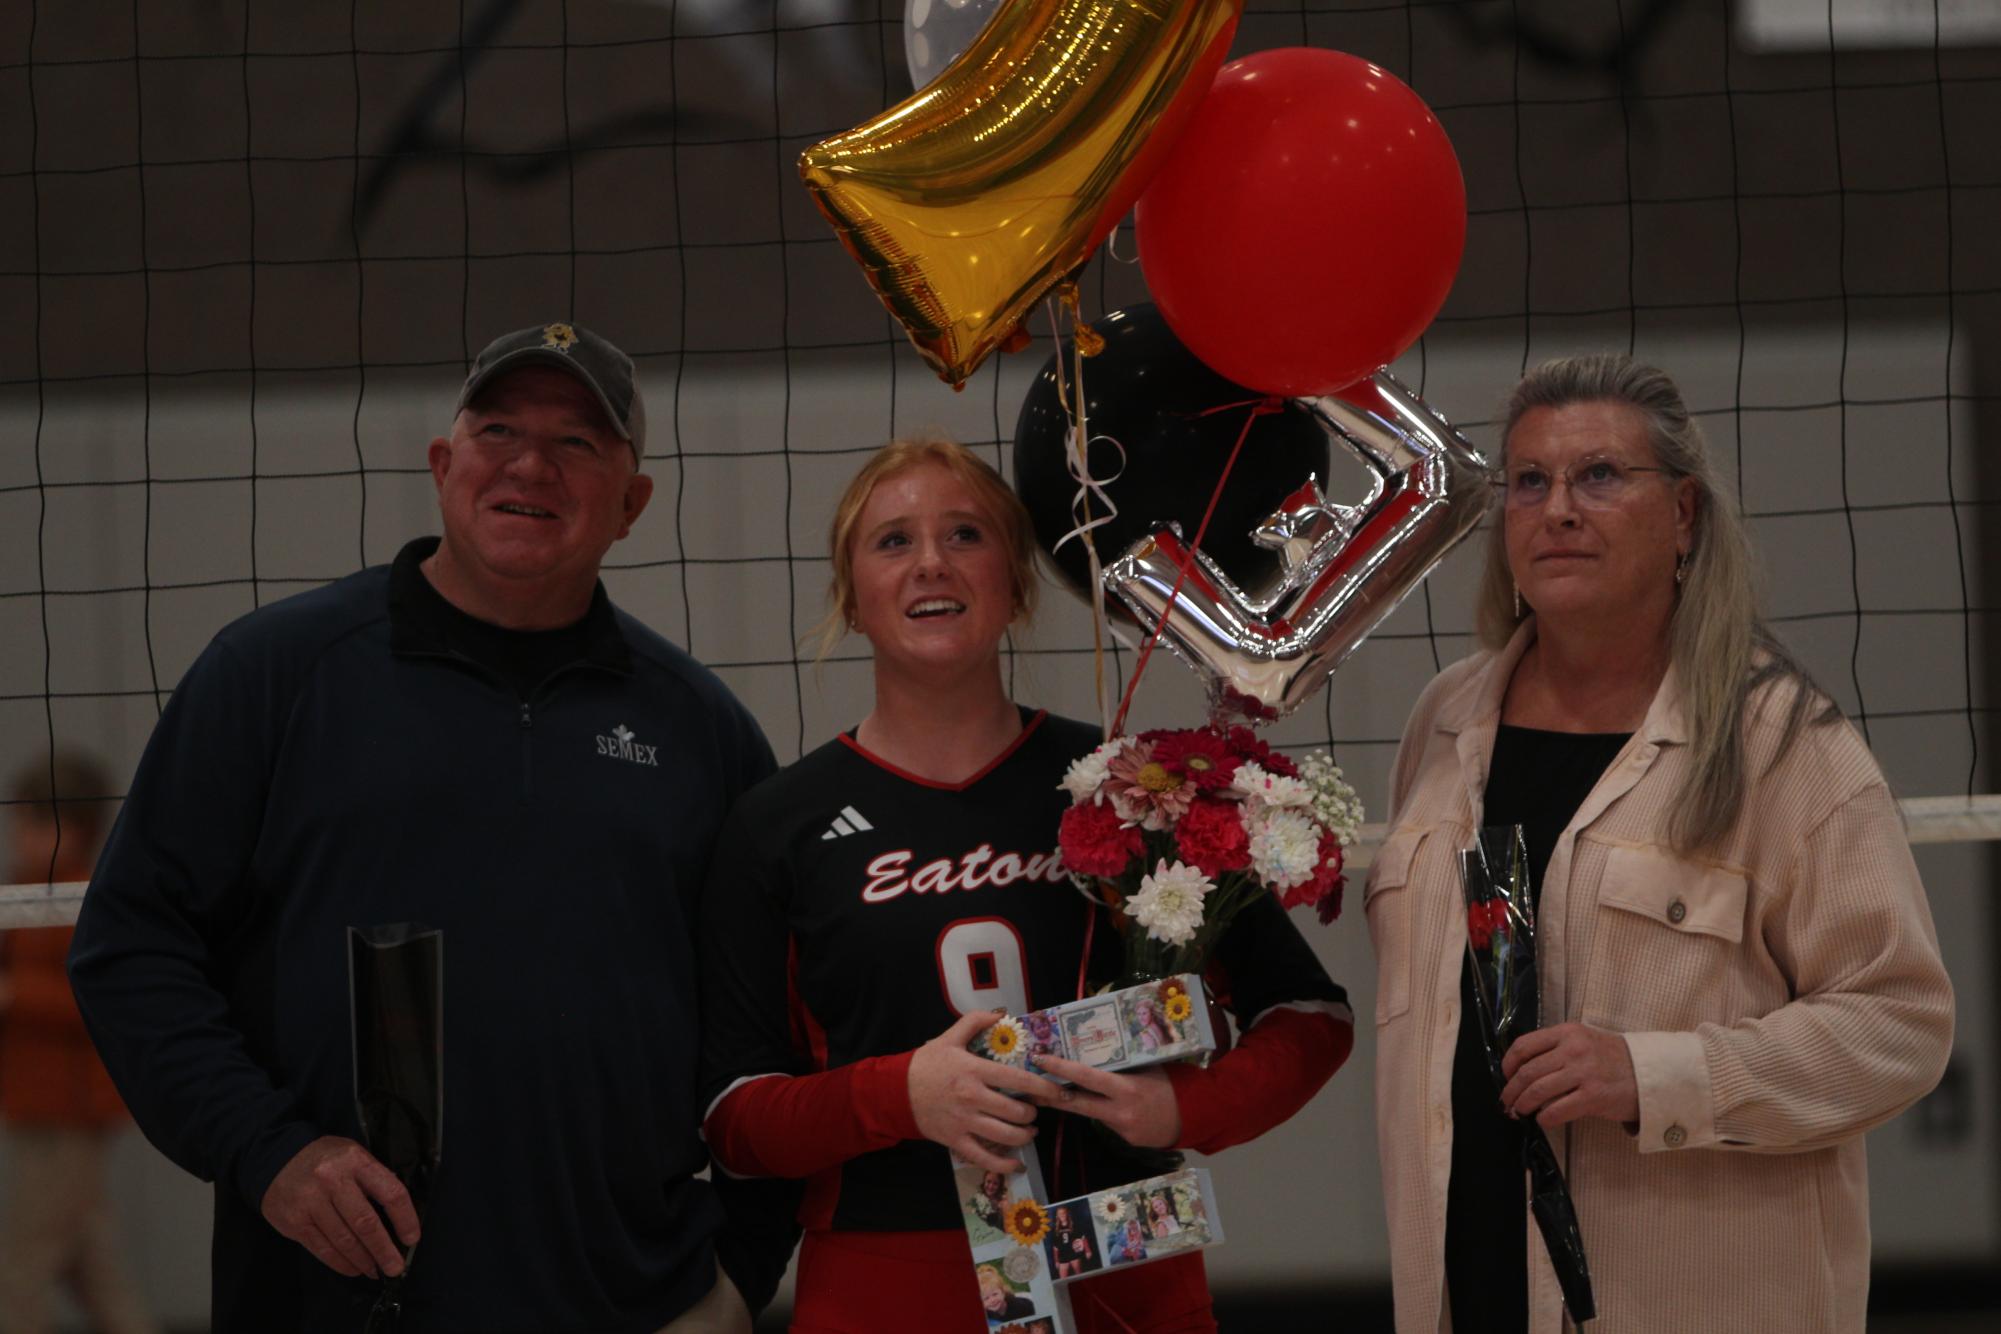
x=957, y=1098
x=1140, y=1106
x=1569, y=1072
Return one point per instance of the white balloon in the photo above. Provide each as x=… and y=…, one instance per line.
x=935, y=34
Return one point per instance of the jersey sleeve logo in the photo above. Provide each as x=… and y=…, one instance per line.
x=849, y=821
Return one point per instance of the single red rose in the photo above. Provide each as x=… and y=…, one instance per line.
x=1096, y=842
x=1479, y=927
x=1211, y=837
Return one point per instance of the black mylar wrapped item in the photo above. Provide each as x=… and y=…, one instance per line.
x=396, y=992
x=1500, y=938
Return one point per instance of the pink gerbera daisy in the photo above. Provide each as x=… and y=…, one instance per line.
x=1146, y=790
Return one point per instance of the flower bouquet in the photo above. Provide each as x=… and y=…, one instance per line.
x=1500, y=940
x=1178, y=831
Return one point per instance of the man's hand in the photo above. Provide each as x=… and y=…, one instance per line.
x=957, y=1098
x=1569, y=1072
x=1140, y=1106
x=325, y=1199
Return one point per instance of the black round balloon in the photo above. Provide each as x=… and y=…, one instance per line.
x=1149, y=393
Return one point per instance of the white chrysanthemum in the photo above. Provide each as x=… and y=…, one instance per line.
x=1335, y=803
x=1086, y=774
x=1110, y=1208
x=1264, y=788
x=1169, y=902
x=1022, y=1265
x=1285, y=848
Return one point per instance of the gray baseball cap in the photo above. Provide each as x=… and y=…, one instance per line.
x=605, y=370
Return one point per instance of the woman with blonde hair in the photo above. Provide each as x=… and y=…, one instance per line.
x=1739, y=971
x=874, y=904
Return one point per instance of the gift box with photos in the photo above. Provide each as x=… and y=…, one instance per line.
x=1126, y=1029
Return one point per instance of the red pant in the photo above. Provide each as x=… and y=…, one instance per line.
x=922, y=1283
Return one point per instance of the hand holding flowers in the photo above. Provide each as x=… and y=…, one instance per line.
x=1570, y=1071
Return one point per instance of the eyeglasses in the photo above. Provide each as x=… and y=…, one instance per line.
x=1596, y=482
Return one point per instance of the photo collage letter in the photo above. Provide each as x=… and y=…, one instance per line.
x=1025, y=1246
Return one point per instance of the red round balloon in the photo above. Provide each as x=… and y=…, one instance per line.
x=1308, y=223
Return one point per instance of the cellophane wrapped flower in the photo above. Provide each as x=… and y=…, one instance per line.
x=1180, y=830
x=1500, y=929
x=1500, y=948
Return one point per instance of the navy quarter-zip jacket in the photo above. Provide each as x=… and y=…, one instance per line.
x=329, y=761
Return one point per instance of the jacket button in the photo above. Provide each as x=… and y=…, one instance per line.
x=1676, y=911
x=1674, y=1137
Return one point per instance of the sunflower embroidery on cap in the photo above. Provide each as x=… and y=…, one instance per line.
x=559, y=336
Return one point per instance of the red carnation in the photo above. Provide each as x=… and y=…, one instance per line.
x=1248, y=745
x=1096, y=842
x=1197, y=755
x=1211, y=837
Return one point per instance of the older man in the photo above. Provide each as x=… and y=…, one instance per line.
x=472, y=738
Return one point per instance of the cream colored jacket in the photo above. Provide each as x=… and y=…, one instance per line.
x=1779, y=997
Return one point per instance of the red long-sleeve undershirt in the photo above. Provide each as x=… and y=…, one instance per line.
x=797, y=1125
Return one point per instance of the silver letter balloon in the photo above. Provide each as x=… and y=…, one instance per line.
x=1342, y=568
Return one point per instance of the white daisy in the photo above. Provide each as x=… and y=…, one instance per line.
x=1007, y=1041
x=1169, y=902
x=1087, y=772
x=1110, y=1208
x=1285, y=848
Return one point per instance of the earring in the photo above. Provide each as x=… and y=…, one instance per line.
x=1518, y=602
x=1680, y=568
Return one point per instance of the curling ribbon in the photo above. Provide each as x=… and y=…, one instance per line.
x=1077, y=463
x=1260, y=407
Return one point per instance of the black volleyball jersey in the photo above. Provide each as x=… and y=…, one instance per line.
x=855, y=910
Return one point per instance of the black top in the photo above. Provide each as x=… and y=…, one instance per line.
x=523, y=658
x=855, y=911
x=1538, y=780
x=332, y=760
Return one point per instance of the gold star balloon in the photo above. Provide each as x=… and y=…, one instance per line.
x=965, y=203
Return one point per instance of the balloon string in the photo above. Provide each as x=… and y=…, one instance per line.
x=1077, y=461
x=1083, y=461
x=1264, y=406
x=1261, y=407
